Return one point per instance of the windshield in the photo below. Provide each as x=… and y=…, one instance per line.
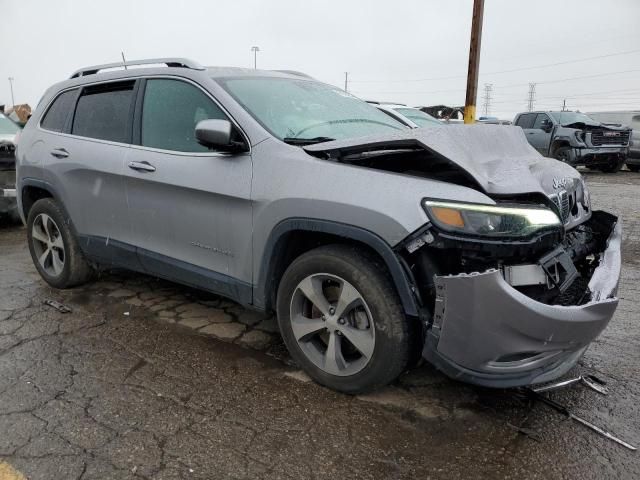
x=569, y=118
x=418, y=117
x=294, y=109
x=7, y=127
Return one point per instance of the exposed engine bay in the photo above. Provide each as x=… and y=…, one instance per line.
x=549, y=269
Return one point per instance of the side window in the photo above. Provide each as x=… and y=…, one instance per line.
x=539, y=119
x=526, y=120
x=170, y=112
x=104, y=112
x=56, y=117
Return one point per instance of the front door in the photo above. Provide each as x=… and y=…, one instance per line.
x=539, y=138
x=190, y=207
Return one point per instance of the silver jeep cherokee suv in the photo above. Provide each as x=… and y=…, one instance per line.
x=373, y=243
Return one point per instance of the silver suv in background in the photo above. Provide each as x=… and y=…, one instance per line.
x=409, y=116
x=576, y=139
x=626, y=118
x=373, y=243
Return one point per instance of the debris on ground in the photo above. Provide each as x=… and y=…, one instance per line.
x=58, y=306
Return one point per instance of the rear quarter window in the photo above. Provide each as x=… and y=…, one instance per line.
x=55, y=119
x=105, y=112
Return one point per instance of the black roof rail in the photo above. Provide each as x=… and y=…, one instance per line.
x=169, y=62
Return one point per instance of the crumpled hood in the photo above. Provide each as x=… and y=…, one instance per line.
x=498, y=157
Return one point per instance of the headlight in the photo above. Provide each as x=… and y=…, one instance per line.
x=491, y=220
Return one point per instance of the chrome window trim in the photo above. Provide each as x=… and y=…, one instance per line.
x=142, y=147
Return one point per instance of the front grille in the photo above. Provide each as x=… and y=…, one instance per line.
x=563, y=202
x=609, y=137
x=7, y=150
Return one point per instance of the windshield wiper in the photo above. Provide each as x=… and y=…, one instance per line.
x=306, y=141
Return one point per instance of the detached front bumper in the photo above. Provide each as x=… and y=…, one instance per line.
x=488, y=333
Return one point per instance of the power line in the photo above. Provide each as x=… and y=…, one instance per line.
x=506, y=86
x=584, y=59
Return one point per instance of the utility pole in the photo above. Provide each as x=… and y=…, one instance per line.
x=564, y=105
x=474, y=62
x=13, y=101
x=488, y=88
x=346, y=81
x=255, y=51
x=532, y=96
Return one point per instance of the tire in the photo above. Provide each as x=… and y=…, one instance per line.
x=633, y=168
x=64, y=265
x=375, y=319
x=614, y=165
x=562, y=154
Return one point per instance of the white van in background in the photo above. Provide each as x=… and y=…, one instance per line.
x=630, y=118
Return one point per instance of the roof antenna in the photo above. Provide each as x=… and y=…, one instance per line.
x=124, y=62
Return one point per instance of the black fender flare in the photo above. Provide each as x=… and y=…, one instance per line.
x=269, y=261
x=34, y=182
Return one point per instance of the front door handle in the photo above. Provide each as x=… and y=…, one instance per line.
x=142, y=166
x=59, y=153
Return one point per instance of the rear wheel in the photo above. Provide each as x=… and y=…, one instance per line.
x=634, y=168
x=341, y=319
x=53, y=247
x=614, y=165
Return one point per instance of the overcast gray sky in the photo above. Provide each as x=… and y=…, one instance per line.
x=393, y=50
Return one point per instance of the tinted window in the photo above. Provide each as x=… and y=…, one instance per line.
x=539, y=119
x=526, y=120
x=58, y=113
x=104, y=112
x=170, y=112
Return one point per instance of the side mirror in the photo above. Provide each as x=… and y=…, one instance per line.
x=546, y=126
x=217, y=135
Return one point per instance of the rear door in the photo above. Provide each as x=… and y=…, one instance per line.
x=190, y=207
x=83, y=150
x=538, y=138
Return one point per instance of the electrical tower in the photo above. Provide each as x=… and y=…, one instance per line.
x=532, y=96
x=488, y=88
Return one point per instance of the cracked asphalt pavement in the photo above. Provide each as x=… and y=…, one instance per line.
x=148, y=379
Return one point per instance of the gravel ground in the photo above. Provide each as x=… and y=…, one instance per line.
x=149, y=379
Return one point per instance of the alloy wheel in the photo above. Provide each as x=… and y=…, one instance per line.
x=48, y=245
x=332, y=324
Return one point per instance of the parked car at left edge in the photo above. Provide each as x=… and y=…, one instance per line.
x=8, y=134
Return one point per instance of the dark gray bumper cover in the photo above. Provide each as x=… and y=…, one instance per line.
x=488, y=333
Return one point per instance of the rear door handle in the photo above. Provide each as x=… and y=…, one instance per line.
x=142, y=166
x=59, y=153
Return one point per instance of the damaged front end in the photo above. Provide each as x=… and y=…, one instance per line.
x=512, y=313
x=514, y=288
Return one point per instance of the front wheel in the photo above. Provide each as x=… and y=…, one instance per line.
x=341, y=319
x=562, y=154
